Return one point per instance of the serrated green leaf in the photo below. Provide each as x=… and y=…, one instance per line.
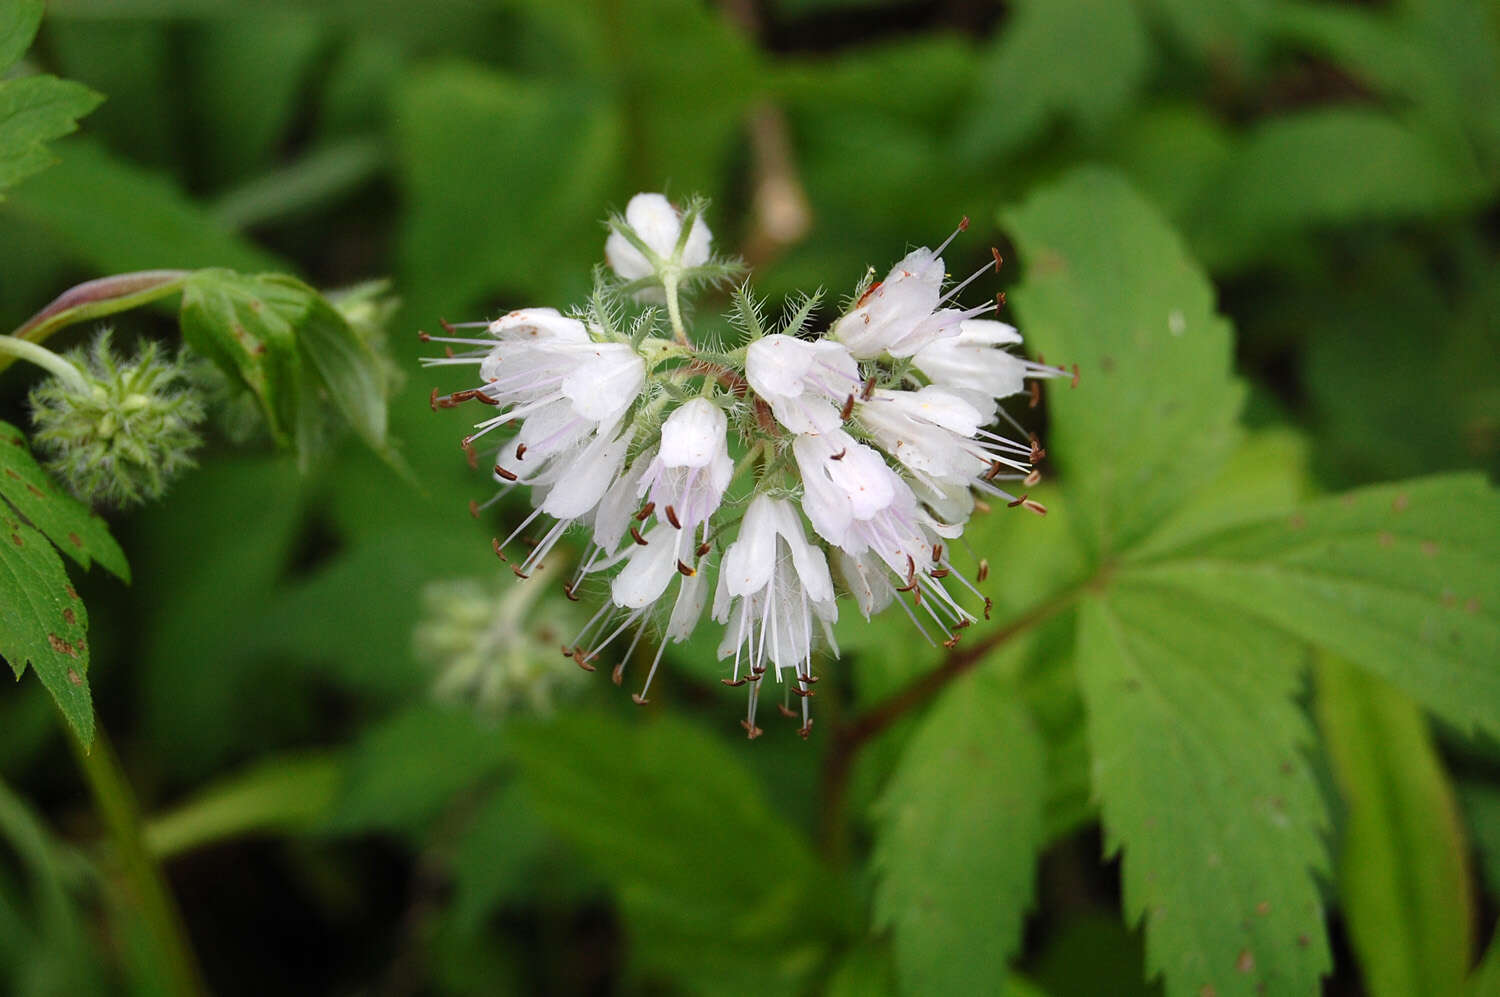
x=1109, y=287
x=1199, y=771
x=1403, y=865
x=1080, y=60
x=408, y=767
x=67, y=522
x=18, y=23
x=716, y=888
x=1399, y=579
x=43, y=622
x=960, y=826
x=33, y=111
x=117, y=217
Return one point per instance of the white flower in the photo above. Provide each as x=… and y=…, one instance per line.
x=687, y=479
x=894, y=315
x=538, y=323
x=772, y=583
x=805, y=383
x=973, y=365
x=659, y=225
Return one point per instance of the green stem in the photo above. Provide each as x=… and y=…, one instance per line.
x=674, y=308
x=144, y=883
x=45, y=359
x=96, y=298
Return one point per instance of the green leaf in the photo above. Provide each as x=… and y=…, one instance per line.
x=1081, y=60
x=1229, y=33
x=43, y=622
x=1198, y=767
x=345, y=364
x=960, y=826
x=1481, y=804
x=18, y=23
x=716, y=889
x=407, y=768
x=117, y=217
x=33, y=111
x=67, y=522
x=1109, y=287
x=1398, y=579
x=1403, y=866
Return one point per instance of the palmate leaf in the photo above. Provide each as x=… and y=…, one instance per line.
x=1109, y=287
x=1399, y=579
x=33, y=109
x=960, y=828
x=1403, y=862
x=72, y=526
x=1198, y=764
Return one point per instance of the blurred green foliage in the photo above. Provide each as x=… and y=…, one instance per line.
x=1266, y=230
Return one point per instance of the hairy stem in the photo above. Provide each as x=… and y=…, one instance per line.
x=850, y=737
x=144, y=884
x=674, y=308
x=20, y=349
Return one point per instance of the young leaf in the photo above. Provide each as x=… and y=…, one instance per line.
x=716, y=888
x=1403, y=864
x=67, y=522
x=1109, y=287
x=1398, y=579
x=43, y=621
x=19, y=20
x=1199, y=772
x=960, y=827
x=33, y=111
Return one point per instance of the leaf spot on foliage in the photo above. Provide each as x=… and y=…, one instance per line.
x=15, y=538
x=1246, y=962
x=1385, y=539
x=75, y=540
x=74, y=677
x=1430, y=548
x=61, y=646
x=10, y=473
x=33, y=489
x=1263, y=908
x=69, y=617
x=1401, y=502
x=1302, y=941
x=71, y=593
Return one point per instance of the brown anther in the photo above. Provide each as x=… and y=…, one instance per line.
x=938, y=573
x=868, y=391
x=1016, y=502
x=1035, y=389
x=1037, y=453
x=848, y=409
x=809, y=679
x=1074, y=383
x=582, y=661
x=980, y=505
x=995, y=468
x=753, y=677
x=447, y=326
x=734, y=683
x=1000, y=301
x=1034, y=506
x=840, y=454
x=568, y=591
x=472, y=457
x=495, y=545
x=567, y=651
x=804, y=693
x=804, y=731
x=448, y=352
x=789, y=714
x=672, y=518
x=520, y=451
x=617, y=676
x=646, y=510
x=459, y=397
x=422, y=337
x=999, y=260
x=638, y=699
x=703, y=548
x=988, y=605
x=516, y=570
x=507, y=475
x=937, y=553
x=916, y=596
x=685, y=571
x=473, y=508
x=480, y=396
x=751, y=730
x=963, y=624
x=984, y=569
x=1033, y=479
x=951, y=642
x=635, y=535
x=433, y=400
x=963, y=226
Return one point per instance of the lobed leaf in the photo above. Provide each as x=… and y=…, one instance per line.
x=33, y=111
x=1399, y=579
x=1110, y=287
x=1198, y=767
x=67, y=522
x=19, y=20
x=43, y=622
x=960, y=826
x=1403, y=865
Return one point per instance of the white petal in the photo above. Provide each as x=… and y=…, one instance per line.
x=539, y=323
x=647, y=571
x=694, y=434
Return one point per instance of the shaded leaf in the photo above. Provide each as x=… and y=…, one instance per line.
x=43, y=622
x=1403, y=870
x=960, y=826
x=1199, y=771
x=18, y=23
x=67, y=522
x=33, y=111
x=1398, y=579
x=1109, y=287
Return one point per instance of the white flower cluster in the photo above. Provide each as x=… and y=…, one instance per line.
x=774, y=473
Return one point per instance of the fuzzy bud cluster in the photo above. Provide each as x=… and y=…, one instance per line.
x=751, y=473
x=117, y=431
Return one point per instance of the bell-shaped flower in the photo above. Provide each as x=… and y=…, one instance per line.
x=974, y=365
x=658, y=224
x=805, y=383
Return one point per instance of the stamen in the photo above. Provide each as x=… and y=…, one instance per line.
x=848, y=409
x=999, y=260
x=507, y=475
x=635, y=535
x=672, y=518
x=869, y=389
x=963, y=226
x=646, y=510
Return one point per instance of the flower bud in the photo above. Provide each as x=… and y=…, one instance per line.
x=656, y=223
